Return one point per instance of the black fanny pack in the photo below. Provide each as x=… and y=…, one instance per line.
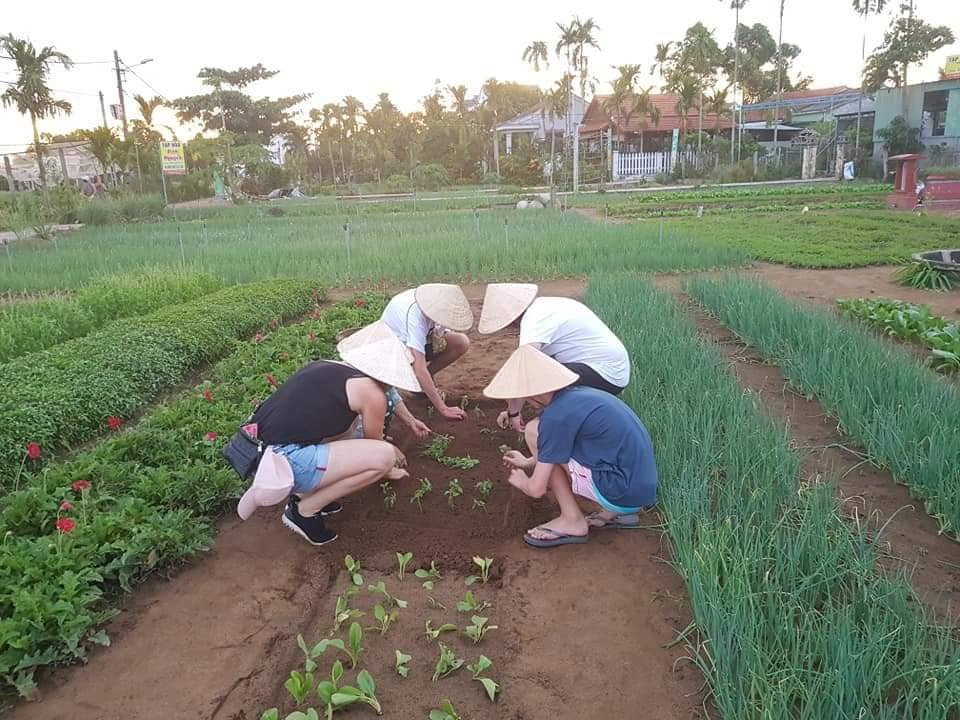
x=243, y=452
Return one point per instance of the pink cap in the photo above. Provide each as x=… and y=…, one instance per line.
x=271, y=485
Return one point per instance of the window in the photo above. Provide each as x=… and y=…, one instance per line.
x=934, y=114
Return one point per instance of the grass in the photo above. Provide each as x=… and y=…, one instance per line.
x=793, y=622
x=248, y=243
x=902, y=414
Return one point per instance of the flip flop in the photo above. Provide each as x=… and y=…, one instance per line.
x=557, y=539
x=626, y=521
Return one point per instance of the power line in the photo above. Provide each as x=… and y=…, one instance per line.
x=152, y=88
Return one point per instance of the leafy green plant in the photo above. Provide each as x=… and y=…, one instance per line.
x=326, y=689
x=389, y=495
x=401, y=663
x=429, y=576
x=421, y=492
x=453, y=491
x=435, y=604
x=384, y=619
x=447, y=663
x=381, y=589
x=484, y=488
x=355, y=638
x=364, y=692
x=433, y=633
x=921, y=275
x=470, y=604
x=478, y=669
x=353, y=568
x=478, y=628
x=342, y=611
x=461, y=463
x=403, y=559
x=484, y=564
x=446, y=711
x=504, y=449
x=478, y=504
x=310, y=654
x=438, y=446
x=299, y=685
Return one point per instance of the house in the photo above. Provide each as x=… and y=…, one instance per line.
x=933, y=107
x=801, y=109
x=536, y=125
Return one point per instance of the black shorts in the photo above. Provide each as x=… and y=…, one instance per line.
x=591, y=378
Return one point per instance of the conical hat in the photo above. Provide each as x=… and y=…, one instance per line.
x=503, y=303
x=377, y=352
x=528, y=372
x=445, y=304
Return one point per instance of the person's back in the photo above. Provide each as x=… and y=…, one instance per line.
x=406, y=319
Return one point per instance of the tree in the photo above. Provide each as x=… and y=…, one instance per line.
x=100, y=142
x=147, y=107
x=536, y=53
x=698, y=56
x=661, y=58
x=717, y=106
x=687, y=88
x=899, y=138
x=736, y=6
x=584, y=39
x=865, y=8
x=909, y=40
x=30, y=93
x=763, y=64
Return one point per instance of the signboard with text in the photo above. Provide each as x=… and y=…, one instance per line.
x=952, y=66
x=172, y=159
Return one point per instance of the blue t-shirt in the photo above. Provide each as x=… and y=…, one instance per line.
x=602, y=433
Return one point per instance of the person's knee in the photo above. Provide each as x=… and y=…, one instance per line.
x=458, y=343
x=384, y=457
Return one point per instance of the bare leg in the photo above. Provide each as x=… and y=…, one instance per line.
x=457, y=346
x=571, y=520
x=530, y=433
x=352, y=466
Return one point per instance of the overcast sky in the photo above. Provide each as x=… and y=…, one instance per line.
x=363, y=48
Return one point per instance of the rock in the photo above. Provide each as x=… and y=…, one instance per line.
x=535, y=205
x=521, y=205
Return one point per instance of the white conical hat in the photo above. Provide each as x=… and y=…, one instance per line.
x=377, y=352
x=503, y=303
x=528, y=372
x=445, y=304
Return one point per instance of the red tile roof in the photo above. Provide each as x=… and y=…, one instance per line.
x=596, y=118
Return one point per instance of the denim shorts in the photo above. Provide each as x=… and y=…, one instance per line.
x=309, y=463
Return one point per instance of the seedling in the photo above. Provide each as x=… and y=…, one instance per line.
x=389, y=495
x=355, y=636
x=429, y=576
x=504, y=449
x=469, y=604
x=384, y=619
x=353, y=567
x=299, y=685
x=464, y=402
x=479, y=504
x=343, y=611
x=433, y=634
x=453, y=491
x=422, y=490
x=365, y=692
x=432, y=602
x=400, y=664
x=447, y=663
x=484, y=565
x=327, y=688
x=403, y=559
x=486, y=431
x=381, y=589
x=311, y=654
x=480, y=414
x=460, y=463
x=480, y=667
x=445, y=712
x=438, y=446
x=478, y=629
x=484, y=488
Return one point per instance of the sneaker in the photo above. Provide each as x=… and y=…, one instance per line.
x=310, y=528
x=329, y=509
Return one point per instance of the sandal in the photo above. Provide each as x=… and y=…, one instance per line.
x=626, y=521
x=558, y=538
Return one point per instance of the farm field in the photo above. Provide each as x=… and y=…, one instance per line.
x=786, y=573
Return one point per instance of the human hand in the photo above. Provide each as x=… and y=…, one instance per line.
x=519, y=479
x=401, y=458
x=453, y=413
x=397, y=474
x=503, y=420
x=515, y=459
x=517, y=423
x=420, y=428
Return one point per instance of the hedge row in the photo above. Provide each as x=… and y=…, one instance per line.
x=138, y=502
x=69, y=394
x=26, y=327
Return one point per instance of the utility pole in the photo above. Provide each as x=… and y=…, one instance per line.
x=123, y=107
x=103, y=109
x=776, y=114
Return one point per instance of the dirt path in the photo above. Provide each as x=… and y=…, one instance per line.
x=579, y=627
x=910, y=539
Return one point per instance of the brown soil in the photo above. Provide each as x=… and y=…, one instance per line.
x=910, y=540
x=582, y=629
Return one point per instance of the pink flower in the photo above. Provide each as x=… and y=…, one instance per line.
x=359, y=302
x=65, y=525
x=208, y=396
x=81, y=485
x=114, y=423
x=33, y=451
x=66, y=506
x=211, y=436
x=311, y=336
x=258, y=338
x=271, y=379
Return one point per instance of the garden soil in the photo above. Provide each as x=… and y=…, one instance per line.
x=582, y=630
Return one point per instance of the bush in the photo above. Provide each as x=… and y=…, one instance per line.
x=398, y=183
x=195, y=185
x=739, y=172
x=125, y=208
x=899, y=138
x=524, y=169
x=953, y=173
x=65, y=395
x=491, y=178
x=430, y=177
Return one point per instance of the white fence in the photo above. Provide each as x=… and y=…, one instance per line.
x=647, y=165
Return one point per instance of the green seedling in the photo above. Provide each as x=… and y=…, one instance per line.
x=274, y=714
x=401, y=663
x=381, y=589
x=384, y=619
x=453, y=491
x=343, y=611
x=438, y=446
x=311, y=654
x=504, y=449
x=327, y=688
x=484, y=565
x=434, y=634
x=403, y=559
x=444, y=712
x=480, y=414
x=447, y=663
x=430, y=576
x=460, y=463
x=478, y=629
x=355, y=636
x=479, y=504
x=484, y=488
x=299, y=685
x=432, y=602
x=422, y=490
x=365, y=692
x=477, y=670
x=353, y=567
x=486, y=431
x=470, y=604
x=389, y=495
x=430, y=411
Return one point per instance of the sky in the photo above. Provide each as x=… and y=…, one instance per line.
x=364, y=48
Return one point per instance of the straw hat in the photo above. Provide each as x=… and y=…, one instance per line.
x=377, y=352
x=503, y=303
x=528, y=372
x=445, y=304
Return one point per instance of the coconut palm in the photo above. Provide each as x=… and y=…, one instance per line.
x=585, y=39
x=662, y=56
x=351, y=112
x=736, y=6
x=29, y=93
x=556, y=102
x=716, y=105
x=687, y=88
x=458, y=94
x=147, y=107
x=620, y=104
x=536, y=53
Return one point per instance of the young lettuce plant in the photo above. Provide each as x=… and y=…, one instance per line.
x=447, y=663
x=384, y=619
x=343, y=611
x=424, y=488
x=469, y=604
x=299, y=685
x=355, y=637
x=477, y=670
x=478, y=628
x=389, y=495
x=429, y=577
x=453, y=491
x=327, y=688
x=461, y=463
x=479, y=504
x=434, y=634
x=484, y=565
x=403, y=559
x=438, y=446
x=311, y=654
x=353, y=567
x=445, y=712
x=365, y=692
x=484, y=488
x=381, y=589
x=401, y=664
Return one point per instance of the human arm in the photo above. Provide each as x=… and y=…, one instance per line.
x=419, y=428
x=535, y=484
x=429, y=388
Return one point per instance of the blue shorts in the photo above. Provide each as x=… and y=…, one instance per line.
x=309, y=463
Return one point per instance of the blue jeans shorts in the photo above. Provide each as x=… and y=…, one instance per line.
x=309, y=463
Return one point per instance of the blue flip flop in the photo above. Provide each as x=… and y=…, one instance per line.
x=557, y=539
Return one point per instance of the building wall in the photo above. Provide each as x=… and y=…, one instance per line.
x=908, y=103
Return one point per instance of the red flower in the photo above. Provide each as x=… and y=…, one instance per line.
x=258, y=338
x=114, y=423
x=311, y=336
x=33, y=451
x=359, y=302
x=65, y=525
x=211, y=436
x=66, y=506
x=81, y=485
x=208, y=396
x=271, y=379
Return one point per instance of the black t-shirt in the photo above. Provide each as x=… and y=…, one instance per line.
x=309, y=407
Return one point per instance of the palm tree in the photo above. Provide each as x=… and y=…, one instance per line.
x=865, y=8
x=736, y=6
x=643, y=106
x=584, y=37
x=351, y=111
x=556, y=102
x=702, y=54
x=620, y=103
x=30, y=93
x=101, y=141
x=687, y=88
x=660, y=61
x=536, y=53
x=565, y=46
x=717, y=106
x=458, y=94
x=147, y=107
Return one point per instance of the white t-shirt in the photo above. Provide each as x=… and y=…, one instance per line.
x=571, y=333
x=406, y=319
